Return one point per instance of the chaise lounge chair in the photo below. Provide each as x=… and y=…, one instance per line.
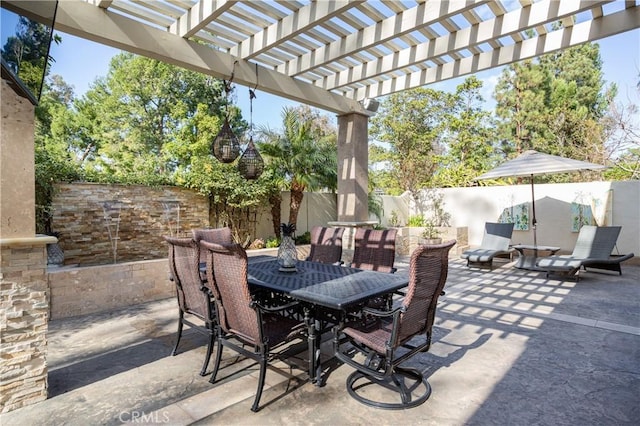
x=495, y=241
x=593, y=249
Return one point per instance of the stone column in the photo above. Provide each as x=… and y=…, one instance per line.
x=23, y=281
x=353, y=175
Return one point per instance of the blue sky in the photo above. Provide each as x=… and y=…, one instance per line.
x=81, y=61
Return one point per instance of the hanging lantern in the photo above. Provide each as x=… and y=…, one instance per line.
x=251, y=164
x=226, y=147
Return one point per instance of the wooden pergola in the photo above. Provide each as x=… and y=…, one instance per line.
x=336, y=54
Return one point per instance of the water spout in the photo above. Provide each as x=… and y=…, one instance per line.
x=111, y=210
x=171, y=216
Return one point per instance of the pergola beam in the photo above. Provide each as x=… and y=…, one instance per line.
x=530, y=16
x=563, y=38
x=308, y=17
x=332, y=54
x=395, y=26
x=102, y=26
x=199, y=16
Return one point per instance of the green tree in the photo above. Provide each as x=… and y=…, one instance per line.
x=303, y=153
x=411, y=124
x=578, y=101
x=53, y=160
x=521, y=96
x=152, y=123
x=555, y=105
x=145, y=118
x=470, y=138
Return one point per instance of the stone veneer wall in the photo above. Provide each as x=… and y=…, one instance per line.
x=79, y=218
x=86, y=290
x=23, y=325
x=23, y=284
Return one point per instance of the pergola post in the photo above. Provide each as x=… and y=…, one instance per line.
x=353, y=174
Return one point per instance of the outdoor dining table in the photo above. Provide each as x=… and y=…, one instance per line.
x=323, y=289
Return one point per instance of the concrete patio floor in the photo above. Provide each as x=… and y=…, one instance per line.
x=511, y=347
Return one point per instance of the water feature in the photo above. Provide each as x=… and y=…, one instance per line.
x=112, y=210
x=171, y=216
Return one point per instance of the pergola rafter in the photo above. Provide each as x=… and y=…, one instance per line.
x=336, y=53
x=538, y=14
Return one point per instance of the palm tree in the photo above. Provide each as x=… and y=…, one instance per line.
x=302, y=154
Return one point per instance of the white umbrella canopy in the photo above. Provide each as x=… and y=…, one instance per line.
x=531, y=163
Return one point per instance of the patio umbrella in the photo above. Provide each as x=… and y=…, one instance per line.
x=531, y=163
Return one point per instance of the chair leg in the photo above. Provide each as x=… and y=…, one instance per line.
x=175, y=348
x=216, y=365
x=212, y=337
x=263, y=374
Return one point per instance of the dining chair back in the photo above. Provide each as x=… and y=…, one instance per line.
x=194, y=299
x=326, y=245
x=211, y=235
x=374, y=249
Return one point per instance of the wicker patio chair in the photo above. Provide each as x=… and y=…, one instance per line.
x=495, y=242
x=243, y=320
x=385, y=342
x=211, y=235
x=593, y=249
x=374, y=249
x=194, y=299
x=326, y=245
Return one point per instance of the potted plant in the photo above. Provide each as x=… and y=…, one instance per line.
x=431, y=233
x=394, y=221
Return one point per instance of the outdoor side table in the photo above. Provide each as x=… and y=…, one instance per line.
x=529, y=254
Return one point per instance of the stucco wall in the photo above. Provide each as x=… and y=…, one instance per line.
x=472, y=207
x=84, y=290
x=17, y=197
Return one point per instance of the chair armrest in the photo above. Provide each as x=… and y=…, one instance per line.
x=257, y=305
x=383, y=314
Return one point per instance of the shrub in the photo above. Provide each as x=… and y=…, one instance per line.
x=416, y=221
x=393, y=220
x=430, y=231
x=304, y=238
x=272, y=242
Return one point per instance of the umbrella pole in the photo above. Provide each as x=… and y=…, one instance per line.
x=534, y=221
